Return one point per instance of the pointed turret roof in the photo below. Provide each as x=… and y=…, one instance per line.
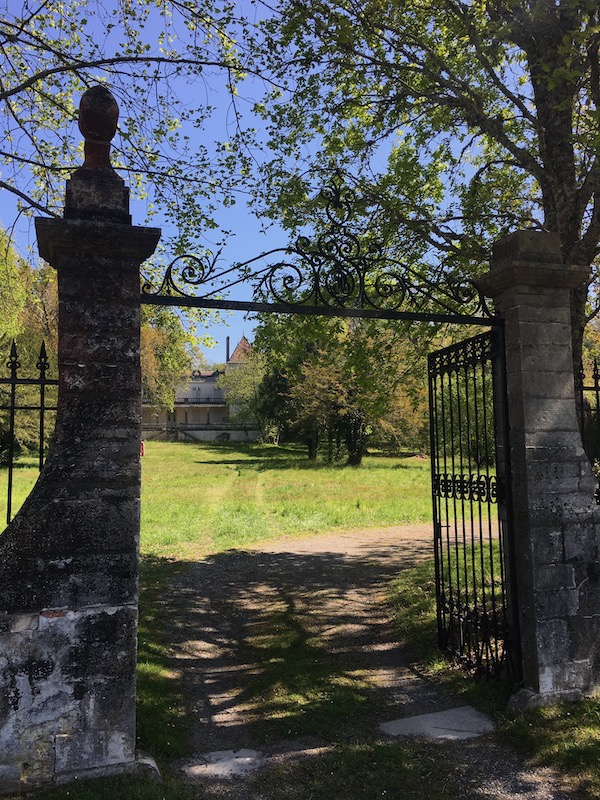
x=242, y=350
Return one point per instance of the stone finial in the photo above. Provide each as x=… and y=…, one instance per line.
x=95, y=192
x=98, y=116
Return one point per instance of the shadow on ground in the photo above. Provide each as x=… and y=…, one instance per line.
x=282, y=645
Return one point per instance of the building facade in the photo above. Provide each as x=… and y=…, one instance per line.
x=201, y=412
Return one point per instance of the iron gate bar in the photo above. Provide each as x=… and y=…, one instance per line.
x=42, y=381
x=472, y=529
x=323, y=311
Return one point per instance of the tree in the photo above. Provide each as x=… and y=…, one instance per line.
x=13, y=290
x=28, y=317
x=342, y=376
x=458, y=121
x=241, y=384
x=168, y=353
x=162, y=60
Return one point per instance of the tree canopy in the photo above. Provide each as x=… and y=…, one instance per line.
x=341, y=383
x=167, y=63
x=459, y=120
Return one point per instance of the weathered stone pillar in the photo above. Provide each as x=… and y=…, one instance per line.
x=69, y=559
x=557, y=564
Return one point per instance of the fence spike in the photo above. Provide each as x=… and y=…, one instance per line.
x=42, y=363
x=13, y=362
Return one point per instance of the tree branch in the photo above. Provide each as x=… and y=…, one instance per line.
x=29, y=200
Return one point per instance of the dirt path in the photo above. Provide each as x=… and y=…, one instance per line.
x=328, y=589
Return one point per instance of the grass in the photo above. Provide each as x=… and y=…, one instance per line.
x=367, y=771
x=200, y=499
x=25, y=474
x=565, y=737
x=297, y=685
x=163, y=727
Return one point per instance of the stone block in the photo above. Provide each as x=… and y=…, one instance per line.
x=547, y=544
x=565, y=677
x=98, y=748
x=554, y=577
x=589, y=593
x=580, y=542
x=534, y=336
x=542, y=311
x=536, y=246
x=584, y=636
x=558, y=603
x=530, y=361
x=550, y=414
x=553, y=637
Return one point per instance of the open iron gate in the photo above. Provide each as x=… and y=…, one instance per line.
x=476, y=601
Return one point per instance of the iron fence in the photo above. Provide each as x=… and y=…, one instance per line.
x=590, y=415
x=471, y=505
x=27, y=400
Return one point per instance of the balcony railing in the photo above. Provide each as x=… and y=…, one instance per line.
x=199, y=401
x=190, y=401
x=217, y=426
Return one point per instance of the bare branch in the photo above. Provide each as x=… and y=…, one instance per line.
x=29, y=200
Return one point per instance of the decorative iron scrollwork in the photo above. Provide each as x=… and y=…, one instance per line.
x=342, y=268
x=469, y=486
x=481, y=349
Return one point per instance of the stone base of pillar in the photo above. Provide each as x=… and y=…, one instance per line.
x=525, y=699
x=68, y=695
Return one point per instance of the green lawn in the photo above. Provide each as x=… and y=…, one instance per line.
x=199, y=499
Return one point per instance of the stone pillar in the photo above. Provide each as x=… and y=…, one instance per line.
x=69, y=559
x=556, y=521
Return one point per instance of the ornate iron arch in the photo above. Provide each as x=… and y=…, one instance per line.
x=339, y=273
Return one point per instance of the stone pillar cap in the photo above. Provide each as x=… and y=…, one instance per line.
x=95, y=192
x=530, y=258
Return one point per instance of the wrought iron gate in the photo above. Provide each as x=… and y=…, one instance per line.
x=476, y=604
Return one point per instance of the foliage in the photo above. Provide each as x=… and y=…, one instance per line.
x=457, y=122
x=13, y=290
x=28, y=317
x=566, y=737
x=161, y=60
x=168, y=353
x=241, y=383
x=344, y=379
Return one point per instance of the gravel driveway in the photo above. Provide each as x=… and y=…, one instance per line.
x=335, y=584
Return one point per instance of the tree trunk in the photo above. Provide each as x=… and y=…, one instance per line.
x=312, y=443
x=356, y=440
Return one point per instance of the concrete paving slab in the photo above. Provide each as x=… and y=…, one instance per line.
x=456, y=723
x=224, y=764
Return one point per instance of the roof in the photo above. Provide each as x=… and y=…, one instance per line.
x=197, y=374
x=242, y=350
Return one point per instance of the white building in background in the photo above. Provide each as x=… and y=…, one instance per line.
x=201, y=412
